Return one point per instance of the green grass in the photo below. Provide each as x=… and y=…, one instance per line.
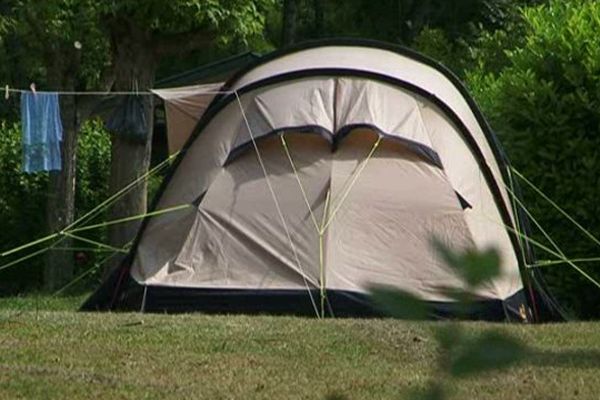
x=49, y=351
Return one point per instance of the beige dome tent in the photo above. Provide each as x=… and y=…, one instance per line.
x=318, y=172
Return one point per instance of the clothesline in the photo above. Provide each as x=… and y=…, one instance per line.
x=119, y=93
x=123, y=115
x=144, y=93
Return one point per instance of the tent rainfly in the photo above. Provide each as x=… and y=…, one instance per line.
x=319, y=171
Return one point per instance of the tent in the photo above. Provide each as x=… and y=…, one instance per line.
x=184, y=107
x=319, y=171
x=185, y=96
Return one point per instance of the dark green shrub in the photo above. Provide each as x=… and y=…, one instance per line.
x=23, y=199
x=93, y=166
x=22, y=208
x=545, y=106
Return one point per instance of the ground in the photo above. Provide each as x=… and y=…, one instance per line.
x=47, y=350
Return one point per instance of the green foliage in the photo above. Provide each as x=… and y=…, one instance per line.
x=542, y=95
x=93, y=155
x=93, y=170
x=44, y=34
x=396, y=21
x=436, y=44
x=474, y=267
x=5, y=25
x=230, y=21
x=22, y=200
x=460, y=356
x=23, y=197
x=71, y=45
x=477, y=44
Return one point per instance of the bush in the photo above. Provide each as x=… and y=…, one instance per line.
x=22, y=211
x=545, y=106
x=23, y=198
x=436, y=44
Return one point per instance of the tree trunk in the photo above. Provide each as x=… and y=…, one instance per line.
x=290, y=18
x=135, y=65
x=60, y=206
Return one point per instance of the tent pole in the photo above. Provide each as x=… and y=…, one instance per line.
x=143, y=305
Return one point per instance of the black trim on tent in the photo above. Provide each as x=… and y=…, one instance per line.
x=342, y=303
x=425, y=152
x=221, y=101
x=306, y=129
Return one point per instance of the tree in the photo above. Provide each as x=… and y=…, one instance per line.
x=48, y=34
x=319, y=23
x=290, y=20
x=71, y=45
x=396, y=21
x=140, y=37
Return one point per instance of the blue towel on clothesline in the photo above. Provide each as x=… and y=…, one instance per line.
x=42, y=132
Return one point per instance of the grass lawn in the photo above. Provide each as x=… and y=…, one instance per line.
x=49, y=351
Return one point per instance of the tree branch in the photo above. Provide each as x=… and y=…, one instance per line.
x=181, y=43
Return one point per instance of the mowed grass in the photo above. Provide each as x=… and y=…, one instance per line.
x=47, y=350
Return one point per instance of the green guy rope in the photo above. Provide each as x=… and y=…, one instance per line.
x=30, y=244
x=545, y=248
x=349, y=179
x=322, y=291
x=325, y=222
x=93, y=242
x=93, y=211
x=304, y=196
x=559, y=253
x=31, y=255
x=88, y=271
x=544, y=263
x=100, y=247
x=352, y=182
x=321, y=232
x=277, y=205
x=80, y=277
x=516, y=215
x=24, y=258
x=92, y=249
x=553, y=203
x=131, y=218
x=121, y=192
x=536, y=222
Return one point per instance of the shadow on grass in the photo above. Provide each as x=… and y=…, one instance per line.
x=581, y=359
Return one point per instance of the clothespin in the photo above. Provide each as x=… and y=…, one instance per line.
x=6, y=92
x=32, y=87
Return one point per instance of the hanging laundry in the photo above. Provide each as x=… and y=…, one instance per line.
x=128, y=118
x=42, y=132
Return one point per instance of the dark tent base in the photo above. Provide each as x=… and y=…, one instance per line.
x=164, y=299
